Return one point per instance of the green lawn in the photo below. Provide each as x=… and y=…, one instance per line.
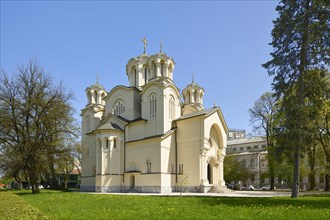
x=66, y=205
x=14, y=207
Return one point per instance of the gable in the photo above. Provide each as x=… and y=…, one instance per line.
x=112, y=122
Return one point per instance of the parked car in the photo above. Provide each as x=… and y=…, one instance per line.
x=230, y=186
x=267, y=187
x=248, y=187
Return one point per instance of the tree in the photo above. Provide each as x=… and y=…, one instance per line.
x=235, y=170
x=262, y=116
x=314, y=101
x=300, y=41
x=323, y=122
x=36, y=118
x=183, y=182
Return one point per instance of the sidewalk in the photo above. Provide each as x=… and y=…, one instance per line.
x=226, y=194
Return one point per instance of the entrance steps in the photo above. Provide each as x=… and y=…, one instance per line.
x=219, y=189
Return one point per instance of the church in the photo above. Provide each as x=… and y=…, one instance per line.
x=149, y=136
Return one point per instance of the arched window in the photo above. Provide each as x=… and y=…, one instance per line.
x=153, y=106
x=89, y=98
x=170, y=71
x=148, y=166
x=135, y=78
x=114, y=143
x=162, y=71
x=88, y=124
x=172, y=107
x=145, y=75
x=119, y=107
x=102, y=96
x=95, y=97
x=154, y=70
x=188, y=97
x=195, y=96
x=107, y=143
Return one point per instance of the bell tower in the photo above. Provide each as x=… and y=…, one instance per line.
x=95, y=94
x=193, y=98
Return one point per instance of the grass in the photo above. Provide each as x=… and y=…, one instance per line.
x=73, y=205
x=15, y=207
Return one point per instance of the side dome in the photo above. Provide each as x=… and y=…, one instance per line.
x=95, y=94
x=137, y=70
x=161, y=65
x=193, y=98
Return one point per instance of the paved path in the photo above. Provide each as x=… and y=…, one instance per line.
x=226, y=194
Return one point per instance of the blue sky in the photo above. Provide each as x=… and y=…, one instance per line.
x=223, y=43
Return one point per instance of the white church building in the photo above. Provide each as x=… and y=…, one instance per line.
x=143, y=137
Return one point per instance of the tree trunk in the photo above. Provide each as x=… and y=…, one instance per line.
x=271, y=173
x=302, y=69
x=327, y=182
x=34, y=182
x=296, y=173
x=312, y=182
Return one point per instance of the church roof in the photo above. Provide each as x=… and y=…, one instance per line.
x=96, y=86
x=109, y=126
x=195, y=85
x=199, y=113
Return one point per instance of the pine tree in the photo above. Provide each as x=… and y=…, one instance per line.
x=300, y=39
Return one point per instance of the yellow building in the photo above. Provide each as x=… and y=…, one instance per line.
x=144, y=136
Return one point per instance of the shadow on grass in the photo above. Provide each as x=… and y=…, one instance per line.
x=315, y=202
x=42, y=191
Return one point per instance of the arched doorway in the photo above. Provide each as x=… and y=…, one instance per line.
x=210, y=173
x=132, y=181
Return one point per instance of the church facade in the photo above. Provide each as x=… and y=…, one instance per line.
x=147, y=137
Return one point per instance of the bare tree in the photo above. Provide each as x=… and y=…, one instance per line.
x=262, y=116
x=36, y=118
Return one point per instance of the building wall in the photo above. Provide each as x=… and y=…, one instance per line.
x=154, y=148
x=254, y=152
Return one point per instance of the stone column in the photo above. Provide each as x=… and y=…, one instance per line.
x=198, y=96
x=98, y=153
x=204, y=180
x=101, y=153
x=99, y=97
x=166, y=65
x=192, y=96
x=221, y=180
x=110, y=154
x=92, y=96
x=158, y=68
x=139, y=76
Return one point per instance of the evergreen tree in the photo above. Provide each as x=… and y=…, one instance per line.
x=300, y=39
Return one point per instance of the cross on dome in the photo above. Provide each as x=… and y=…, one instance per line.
x=145, y=43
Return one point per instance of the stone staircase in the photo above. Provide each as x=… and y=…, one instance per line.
x=219, y=189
